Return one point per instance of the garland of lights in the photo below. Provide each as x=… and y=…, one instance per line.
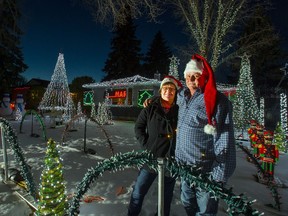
x=173, y=66
x=283, y=115
x=78, y=116
x=262, y=111
x=237, y=203
x=33, y=112
x=272, y=187
x=106, y=135
x=12, y=139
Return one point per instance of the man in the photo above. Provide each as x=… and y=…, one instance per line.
x=205, y=134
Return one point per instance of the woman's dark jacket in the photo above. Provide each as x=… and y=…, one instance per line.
x=155, y=130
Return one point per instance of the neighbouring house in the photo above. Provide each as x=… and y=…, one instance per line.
x=32, y=92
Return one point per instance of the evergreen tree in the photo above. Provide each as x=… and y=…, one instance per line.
x=11, y=57
x=52, y=193
x=245, y=104
x=157, y=58
x=124, y=59
x=76, y=87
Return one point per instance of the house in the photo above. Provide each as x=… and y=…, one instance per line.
x=126, y=96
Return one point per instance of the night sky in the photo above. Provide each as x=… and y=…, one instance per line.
x=53, y=26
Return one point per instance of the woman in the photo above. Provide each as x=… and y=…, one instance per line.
x=155, y=130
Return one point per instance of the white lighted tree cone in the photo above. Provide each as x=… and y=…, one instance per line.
x=57, y=96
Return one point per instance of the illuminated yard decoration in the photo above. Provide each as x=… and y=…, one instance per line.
x=38, y=117
x=262, y=111
x=245, y=104
x=173, y=67
x=52, y=192
x=12, y=139
x=237, y=204
x=143, y=95
x=57, y=96
x=88, y=98
x=283, y=115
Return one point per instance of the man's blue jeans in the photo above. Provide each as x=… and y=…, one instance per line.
x=198, y=202
x=141, y=187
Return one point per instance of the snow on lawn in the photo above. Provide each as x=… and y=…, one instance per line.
x=113, y=189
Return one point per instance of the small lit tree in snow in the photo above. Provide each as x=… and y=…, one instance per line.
x=52, y=194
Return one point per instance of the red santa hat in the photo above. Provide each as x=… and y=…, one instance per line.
x=207, y=84
x=173, y=80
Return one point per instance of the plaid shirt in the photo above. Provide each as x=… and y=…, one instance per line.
x=214, y=153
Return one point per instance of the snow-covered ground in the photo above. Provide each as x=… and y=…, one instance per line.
x=115, y=188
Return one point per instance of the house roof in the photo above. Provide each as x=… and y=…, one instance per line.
x=139, y=80
x=128, y=81
x=37, y=82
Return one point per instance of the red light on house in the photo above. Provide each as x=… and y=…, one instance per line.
x=117, y=94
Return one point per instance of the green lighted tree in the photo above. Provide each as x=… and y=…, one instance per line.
x=52, y=193
x=245, y=104
x=280, y=138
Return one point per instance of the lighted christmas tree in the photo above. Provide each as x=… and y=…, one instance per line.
x=93, y=111
x=57, y=96
x=104, y=115
x=79, y=108
x=245, y=104
x=52, y=193
x=18, y=114
x=280, y=138
x=173, y=67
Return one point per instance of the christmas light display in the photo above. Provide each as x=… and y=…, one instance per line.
x=104, y=114
x=131, y=81
x=93, y=111
x=143, y=95
x=283, y=115
x=270, y=184
x=57, y=96
x=269, y=154
x=245, y=104
x=18, y=114
x=11, y=138
x=52, y=192
x=88, y=98
x=280, y=138
x=70, y=124
x=79, y=108
x=237, y=204
x=40, y=120
x=262, y=112
x=173, y=67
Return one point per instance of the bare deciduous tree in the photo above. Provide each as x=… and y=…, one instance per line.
x=213, y=25
x=111, y=11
